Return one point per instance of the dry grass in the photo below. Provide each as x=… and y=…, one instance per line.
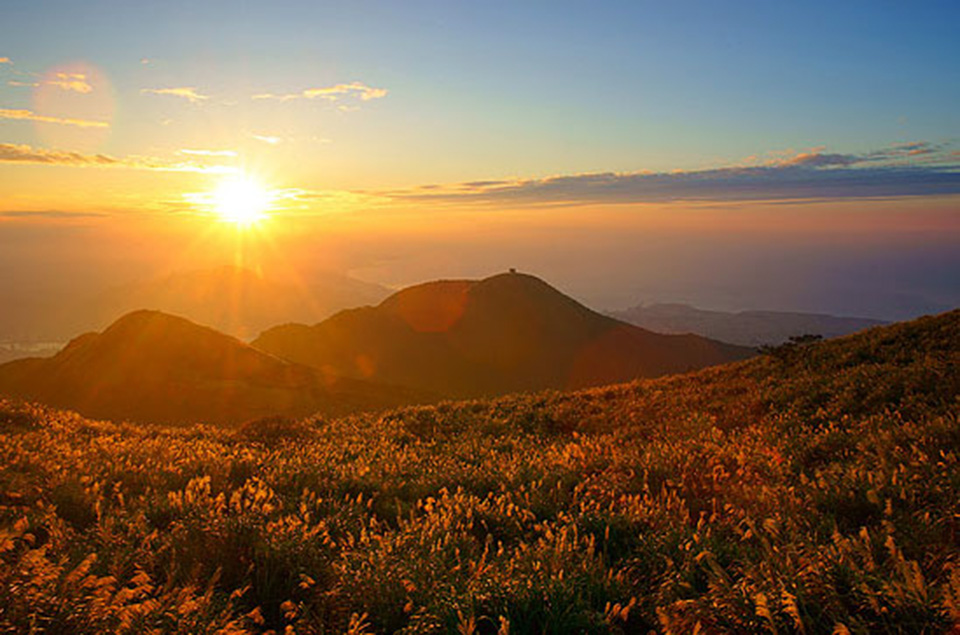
x=815, y=492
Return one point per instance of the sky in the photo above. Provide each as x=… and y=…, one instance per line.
x=801, y=156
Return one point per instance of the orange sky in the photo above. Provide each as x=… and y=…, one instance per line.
x=627, y=153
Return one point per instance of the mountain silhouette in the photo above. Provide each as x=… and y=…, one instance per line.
x=749, y=328
x=510, y=332
x=153, y=367
x=234, y=300
x=239, y=301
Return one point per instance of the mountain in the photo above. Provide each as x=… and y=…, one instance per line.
x=153, y=367
x=749, y=328
x=233, y=300
x=510, y=332
x=239, y=301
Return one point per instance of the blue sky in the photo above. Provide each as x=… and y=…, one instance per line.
x=491, y=89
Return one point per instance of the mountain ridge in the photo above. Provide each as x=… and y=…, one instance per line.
x=233, y=299
x=505, y=333
x=153, y=367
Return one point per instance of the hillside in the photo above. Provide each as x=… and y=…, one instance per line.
x=153, y=367
x=507, y=333
x=747, y=328
x=815, y=490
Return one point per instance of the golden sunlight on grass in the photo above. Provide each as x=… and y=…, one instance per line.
x=241, y=200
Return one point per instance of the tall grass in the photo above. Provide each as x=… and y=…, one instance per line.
x=812, y=493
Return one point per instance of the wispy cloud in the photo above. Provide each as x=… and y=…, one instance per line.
x=357, y=90
x=48, y=213
x=28, y=115
x=915, y=169
x=209, y=153
x=72, y=82
x=5, y=60
x=278, y=97
x=184, y=92
x=16, y=153
x=899, y=153
x=819, y=160
x=266, y=139
x=75, y=82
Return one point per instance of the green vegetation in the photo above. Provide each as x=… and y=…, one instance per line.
x=815, y=492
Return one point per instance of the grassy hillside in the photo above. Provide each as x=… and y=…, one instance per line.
x=816, y=490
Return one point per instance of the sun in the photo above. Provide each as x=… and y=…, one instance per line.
x=241, y=200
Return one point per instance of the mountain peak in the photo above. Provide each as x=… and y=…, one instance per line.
x=157, y=321
x=505, y=333
x=148, y=317
x=156, y=367
x=440, y=305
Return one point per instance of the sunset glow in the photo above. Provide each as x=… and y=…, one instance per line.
x=628, y=153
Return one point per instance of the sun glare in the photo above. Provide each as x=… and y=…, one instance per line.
x=241, y=200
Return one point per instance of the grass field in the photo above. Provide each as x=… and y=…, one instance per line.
x=815, y=489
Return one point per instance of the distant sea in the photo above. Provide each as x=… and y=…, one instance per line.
x=10, y=351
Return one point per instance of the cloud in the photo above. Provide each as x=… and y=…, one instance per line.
x=5, y=60
x=209, y=153
x=357, y=90
x=14, y=82
x=184, y=92
x=275, y=97
x=48, y=213
x=15, y=153
x=28, y=115
x=76, y=82
x=931, y=152
x=917, y=169
x=821, y=160
x=267, y=139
